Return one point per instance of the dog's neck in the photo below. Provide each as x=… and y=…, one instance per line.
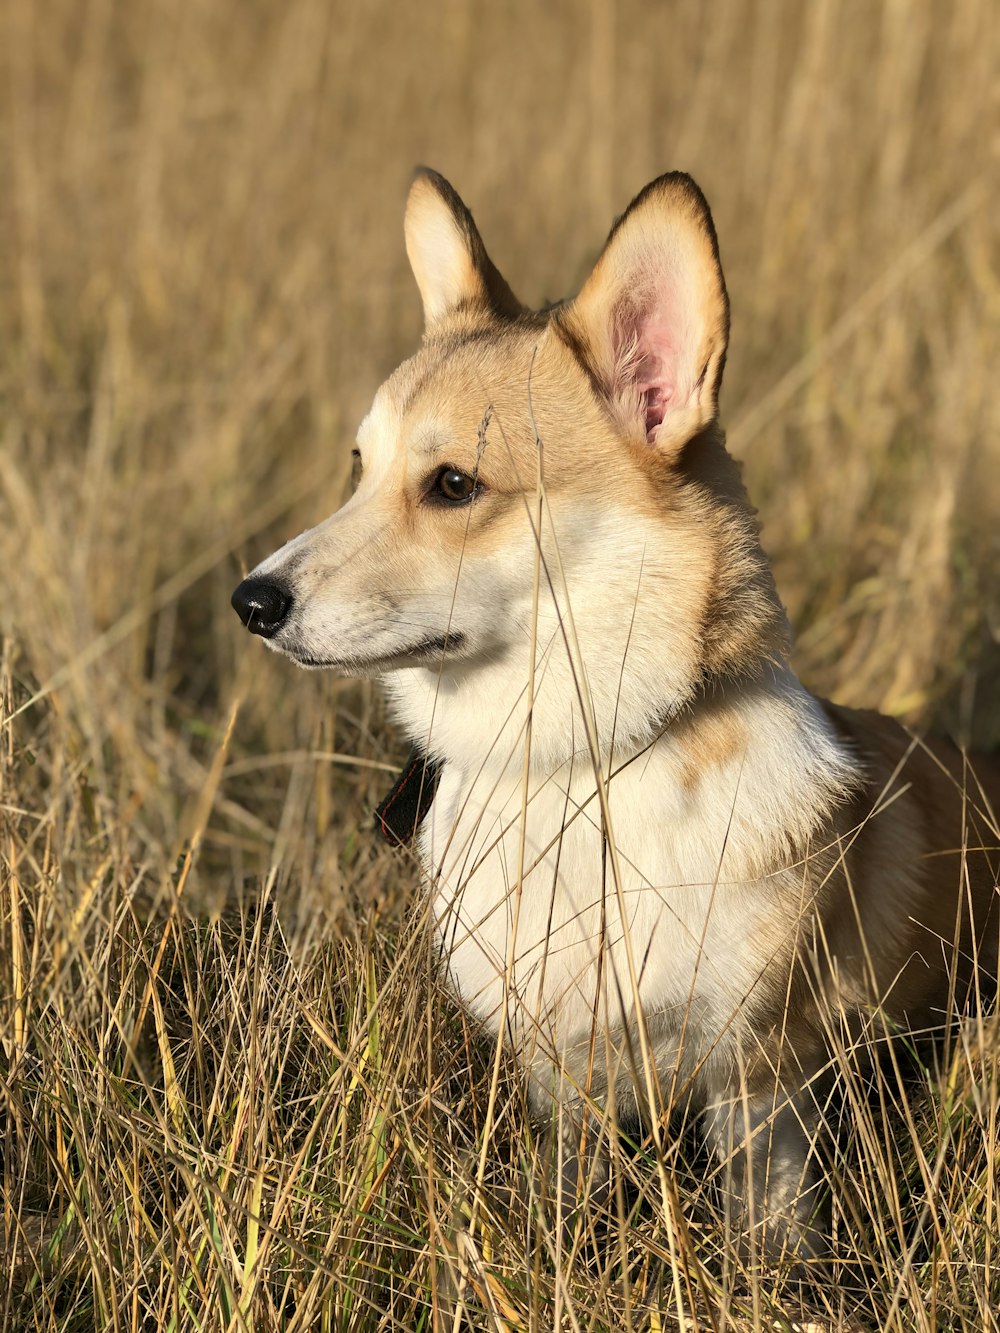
x=759, y=752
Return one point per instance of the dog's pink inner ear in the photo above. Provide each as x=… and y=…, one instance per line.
x=650, y=354
x=656, y=369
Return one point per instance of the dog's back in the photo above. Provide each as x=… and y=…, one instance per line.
x=917, y=922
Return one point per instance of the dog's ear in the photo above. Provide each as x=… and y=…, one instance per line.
x=447, y=255
x=652, y=320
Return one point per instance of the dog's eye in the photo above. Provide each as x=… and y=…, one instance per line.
x=453, y=486
x=355, y=468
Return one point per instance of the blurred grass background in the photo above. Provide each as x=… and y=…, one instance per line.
x=202, y=282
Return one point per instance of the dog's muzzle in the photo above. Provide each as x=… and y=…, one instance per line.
x=262, y=606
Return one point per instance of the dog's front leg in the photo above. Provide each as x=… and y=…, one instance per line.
x=774, y=1188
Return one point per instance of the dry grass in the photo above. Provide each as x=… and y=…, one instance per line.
x=249, y=1115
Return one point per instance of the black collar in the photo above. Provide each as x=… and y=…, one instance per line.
x=402, y=812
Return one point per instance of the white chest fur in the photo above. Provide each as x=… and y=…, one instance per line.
x=558, y=933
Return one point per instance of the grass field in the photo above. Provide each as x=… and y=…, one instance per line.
x=232, y=1095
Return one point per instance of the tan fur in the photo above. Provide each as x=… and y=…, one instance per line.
x=713, y=741
x=917, y=918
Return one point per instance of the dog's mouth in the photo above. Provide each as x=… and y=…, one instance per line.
x=423, y=653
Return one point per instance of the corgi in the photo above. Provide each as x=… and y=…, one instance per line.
x=660, y=869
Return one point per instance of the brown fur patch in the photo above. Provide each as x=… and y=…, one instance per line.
x=899, y=908
x=922, y=861
x=708, y=741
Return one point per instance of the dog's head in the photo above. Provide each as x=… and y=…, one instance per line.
x=554, y=477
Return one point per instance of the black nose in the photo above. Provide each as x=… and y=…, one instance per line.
x=262, y=606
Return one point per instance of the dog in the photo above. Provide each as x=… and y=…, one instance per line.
x=660, y=868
